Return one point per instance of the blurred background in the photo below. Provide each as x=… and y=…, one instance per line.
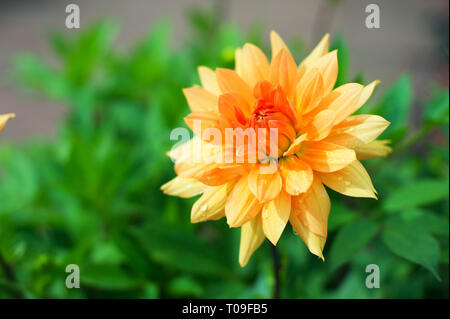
x=82, y=163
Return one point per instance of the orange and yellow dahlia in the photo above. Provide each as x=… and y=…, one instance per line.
x=318, y=141
x=4, y=118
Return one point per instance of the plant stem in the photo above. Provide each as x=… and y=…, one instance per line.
x=276, y=271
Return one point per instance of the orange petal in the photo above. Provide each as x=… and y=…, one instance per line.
x=241, y=204
x=313, y=208
x=309, y=91
x=328, y=68
x=209, y=174
x=283, y=71
x=265, y=187
x=353, y=180
x=230, y=81
x=357, y=130
x=319, y=51
x=183, y=187
x=275, y=215
x=297, y=175
x=277, y=44
x=326, y=157
x=236, y=104
x=200, y=100
x=200, y=122
x=4, y=118
x=253, y=64
x=252, y=236
x=295, y=146
x=321, y=125
x=211, y=205
x=208, y=79
x=314, y=242
x=373, y=149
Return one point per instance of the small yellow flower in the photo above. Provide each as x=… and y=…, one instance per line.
x=318, y=141
x=4, y=118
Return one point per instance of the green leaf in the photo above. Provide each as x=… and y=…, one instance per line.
x=421, y=221
x=174, y=247
x=417, y=247
x=437, y=108
x=34, y=74
x=185, y=287
x=341, y=215
x=351, y=239
x=395, y=106
x=107, y=277
x=134, y=251
x=419, y=193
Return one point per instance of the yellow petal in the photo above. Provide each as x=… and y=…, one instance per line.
x=200, y=100
x=265, y=187
x=205, y=164
x=320, y=50
x=321, y=125
x=373, y=149
x=211, y=205
x=277, y=44
x=208, y=79
x=241, y=204
x=252, y=236
x=328, y=68
x=275, y=215
x=326, y=157
x=4, y=118
x=353, y=180
x=357, y=130
x=309, y=91
x=313, y=208
x=295, y=146
x=191, y=150
x=183, y=187
x=230, y=81
x=283, y=71
x=252, y=64
x=366, y=93
x=314, y=242
x=346, y=101
x=297, y=175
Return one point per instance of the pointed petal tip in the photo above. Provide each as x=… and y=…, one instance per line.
x=243, y=263
x=232, y=223
x=273, y=241
x=325, y=38
x=195, y=220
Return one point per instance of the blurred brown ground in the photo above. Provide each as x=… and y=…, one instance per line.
x=413, y=36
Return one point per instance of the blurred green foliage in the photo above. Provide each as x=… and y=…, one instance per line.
x=91, y=196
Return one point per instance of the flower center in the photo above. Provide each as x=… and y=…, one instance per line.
x=273, y=113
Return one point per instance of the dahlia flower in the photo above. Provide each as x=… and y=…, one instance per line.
x=317, y=142
x=4, y=118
